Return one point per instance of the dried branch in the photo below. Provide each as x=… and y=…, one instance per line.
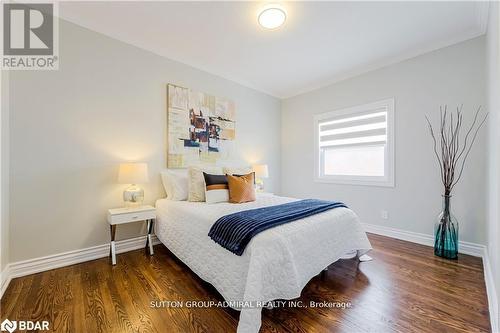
x=453, y=153
x=468, y=151
x=435, y=149
x=469, y=131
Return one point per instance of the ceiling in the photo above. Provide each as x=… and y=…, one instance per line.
x=320, y=43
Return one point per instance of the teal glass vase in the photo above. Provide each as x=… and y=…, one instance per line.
x=446, y=232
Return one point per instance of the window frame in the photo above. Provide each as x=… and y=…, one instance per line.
x=389, y=168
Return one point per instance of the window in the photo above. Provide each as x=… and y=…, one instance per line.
x=356, y=145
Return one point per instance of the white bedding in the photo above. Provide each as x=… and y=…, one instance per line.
x=276, y=264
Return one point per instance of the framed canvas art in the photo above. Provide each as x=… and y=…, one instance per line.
x=201, y=128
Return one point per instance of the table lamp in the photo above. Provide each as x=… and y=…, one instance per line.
x=261, y=171
x=133, y=174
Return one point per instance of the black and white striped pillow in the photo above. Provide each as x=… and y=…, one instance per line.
x=216, y=188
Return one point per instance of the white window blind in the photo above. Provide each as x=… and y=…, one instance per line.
x=354, y=145
x=370, y=128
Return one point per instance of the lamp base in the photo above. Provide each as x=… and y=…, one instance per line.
x=133, y=195
x=259, y=185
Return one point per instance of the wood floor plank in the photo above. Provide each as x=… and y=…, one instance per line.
x=404, y=289
x=16, y=294
x=95, y=316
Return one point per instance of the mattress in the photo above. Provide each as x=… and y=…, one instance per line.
x=276, y=264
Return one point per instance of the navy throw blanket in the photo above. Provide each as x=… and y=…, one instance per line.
x=234, y=231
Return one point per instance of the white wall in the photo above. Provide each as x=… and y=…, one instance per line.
x=106, y=104
x=452, y=76
x=493, y=70
x=4, y=171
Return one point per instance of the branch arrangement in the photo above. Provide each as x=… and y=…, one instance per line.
x=452, y=151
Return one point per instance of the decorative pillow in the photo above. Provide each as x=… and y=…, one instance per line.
x=238, y=170
x=241, y=188
x=197, y=182
x=216, y=188
x=175, y=183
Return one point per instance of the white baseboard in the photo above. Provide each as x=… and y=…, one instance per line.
x=4, y=280
x=472, y=249
x=491, y=291
x=31, y=266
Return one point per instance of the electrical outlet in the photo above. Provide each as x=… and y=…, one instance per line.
x=384, y=214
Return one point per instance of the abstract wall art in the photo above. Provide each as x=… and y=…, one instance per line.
x=201, y=128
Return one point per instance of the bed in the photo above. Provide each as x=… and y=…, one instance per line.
x=276, y=264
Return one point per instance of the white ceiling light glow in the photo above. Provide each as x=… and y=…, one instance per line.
x=272, y=17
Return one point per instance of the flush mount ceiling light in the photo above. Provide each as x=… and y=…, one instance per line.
x=272, y=17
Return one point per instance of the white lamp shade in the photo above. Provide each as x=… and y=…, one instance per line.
x=133, y=173
x=261, y=170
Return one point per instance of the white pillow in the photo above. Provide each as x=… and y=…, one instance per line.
x=197, y=181
x=244, y=170
x=176, y=184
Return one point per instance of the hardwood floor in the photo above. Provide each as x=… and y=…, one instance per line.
x=404, y=289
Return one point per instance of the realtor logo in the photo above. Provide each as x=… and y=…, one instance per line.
x=28, y=30
x=29, y=36
x=8, y=325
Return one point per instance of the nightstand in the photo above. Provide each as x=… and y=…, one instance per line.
x=128, y=215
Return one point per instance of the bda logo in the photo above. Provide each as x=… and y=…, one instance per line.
x=8, y=325
x=24, y=325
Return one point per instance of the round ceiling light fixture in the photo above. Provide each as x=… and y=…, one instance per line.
x=272, y=17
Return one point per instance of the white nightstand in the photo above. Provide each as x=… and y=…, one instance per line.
x=128, y=215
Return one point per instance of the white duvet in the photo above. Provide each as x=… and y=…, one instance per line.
x=276, y=264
